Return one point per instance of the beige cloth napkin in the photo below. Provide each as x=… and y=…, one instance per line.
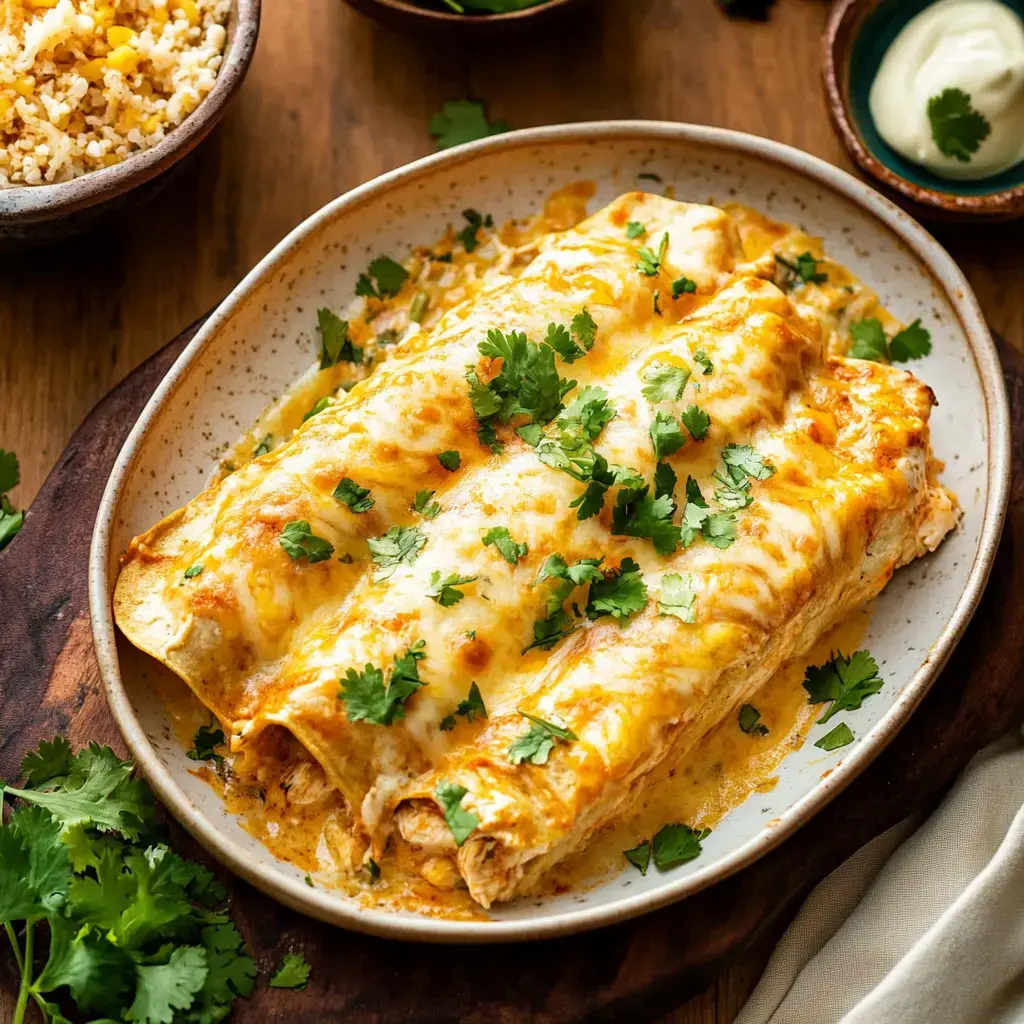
x=922, y=927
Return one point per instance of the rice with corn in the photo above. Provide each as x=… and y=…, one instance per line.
x=86, y=83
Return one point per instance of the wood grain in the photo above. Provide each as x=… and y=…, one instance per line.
x=333, y=99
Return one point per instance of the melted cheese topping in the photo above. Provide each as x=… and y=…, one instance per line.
x=264, y=640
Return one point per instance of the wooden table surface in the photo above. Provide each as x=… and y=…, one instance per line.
x=332, y=100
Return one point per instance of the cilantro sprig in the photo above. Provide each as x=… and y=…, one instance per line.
x=471, y=709
x=535, y=745
x=803, y=269
x=672, y=845
x=462, y=822
x=649, y=262
x=500, y=538
x=401, y=545
x=367, y=699
x=384, y=277
x=292, y=972
x=335, y=344
x=205, y=743
x=957, y=128
x=845, y=682
x=445, y=589
x=301, y=543
x=620, y=595
x=870, y=342
x=358, y=499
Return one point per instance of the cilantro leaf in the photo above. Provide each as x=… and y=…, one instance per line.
x=559, y=338
x=683, y=286
x=640, y=856
x=535, y=746
x=547, y=632
x=696, y=421
x=665, y=383
x=638, y=514
x=741, y=460
x=474, y=222
x=300, y=542
x=677, y=597
x=444, y=591
x=358, y=499
x=957, y=128
x=463, y=121
x=34, y=868
x=584, y=328
x=676, y=844
x=719, y=529
x=384, y=277
x=665, y=481
x=426, y=508
x=164, y=988
x=335, y=344
x=846, y=682
x=802, y=270
x=913, y=342
x=366, y=698
x=450, y=460
x=750, y=721
x=49, y=760
x=869, y=341
x=840, y=736
x=264, y=446
x=462, y=823
x=205, y=742
x=567, y=577
x=649, y=263
x=590, y=410
x=401, y=545
x=292, y=972
x=634, y=229
x=620, y=596
x=471, y=708
x=192, y=572
x=10, y=471
x=318, y=407
x=700, y=357
x=502, y=540
x=666, y=435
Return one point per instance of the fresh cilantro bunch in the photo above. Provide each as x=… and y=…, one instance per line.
x=133, y=929
x=10, y=474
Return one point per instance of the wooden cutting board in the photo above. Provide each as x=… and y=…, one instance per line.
x=49, y=683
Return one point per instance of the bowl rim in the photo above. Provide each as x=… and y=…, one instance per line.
x=388, y=924
x=845, y=17
x=24, y=204
x=409, y=9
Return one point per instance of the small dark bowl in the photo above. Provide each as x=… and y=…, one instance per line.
x=858, y=34
x=42, y=213
x=408, y=16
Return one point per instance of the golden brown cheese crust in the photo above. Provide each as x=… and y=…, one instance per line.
x=264, y=640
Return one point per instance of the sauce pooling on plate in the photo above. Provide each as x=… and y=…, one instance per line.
x=949, y=93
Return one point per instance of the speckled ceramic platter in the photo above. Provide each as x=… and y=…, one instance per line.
x=262, y=337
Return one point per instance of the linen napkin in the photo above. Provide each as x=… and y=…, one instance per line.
x=918, y=927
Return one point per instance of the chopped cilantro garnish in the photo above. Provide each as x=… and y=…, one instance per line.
x=462, y=823
x=676, y=844
x=634, y=229
x=358, y=499
x=474, y=222
x=463, y=121
x=665, y=481
x=547, y=632
x=840, y=736
x=445, y=591
x=400, y=545
x=264, y=446
x=192, y=571
x=683, y=286
x=372, y=869
x=621, y=595
x=321, y=404
x=802, y=270
x=536, y=745
x=292, y=972
x=426, y=508
x=300, y=542
x=471, y=708
x=677, y=597
x=666, y=435
x=696, y=421
x=383, y=277
x=846, y=682
x=205, y=742
x=640, y=856
x=650, y=263
x=568, y=577
x=750, y=721
x=584, y=328
x=638, y=514
x=665, y=383
x=366, y=698
x=913, y=342
x=450, y=460
x=700, y=357
x=591, y=409
x=502, y=540
x=719, y=529
x=957, y=128
x=335, y=344
x=742, y=461
x=870, y=342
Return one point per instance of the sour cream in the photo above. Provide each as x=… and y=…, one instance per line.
x=976, y=46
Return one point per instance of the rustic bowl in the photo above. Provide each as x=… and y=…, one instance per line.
x=409, y=16
x=262, y=337
x=39, y=213
x=858, y=34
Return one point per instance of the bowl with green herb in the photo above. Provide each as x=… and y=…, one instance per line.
x=465, y=18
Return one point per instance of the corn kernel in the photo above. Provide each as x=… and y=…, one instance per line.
x=128, y=120
x=152, y=124
x=104, y=17
x=25, y=85
x=5, y=105
x=159, y=15
x=188, y=7
x=92, y=70
x=119, y=35
x=123, y=59
x=110, y=159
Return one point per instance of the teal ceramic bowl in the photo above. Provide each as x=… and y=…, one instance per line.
x=858, y=34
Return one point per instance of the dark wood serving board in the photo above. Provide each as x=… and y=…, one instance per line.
x=49, y=683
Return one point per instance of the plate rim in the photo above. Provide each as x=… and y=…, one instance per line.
x=390, y=924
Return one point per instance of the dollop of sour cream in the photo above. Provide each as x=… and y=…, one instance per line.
x=976, y=46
